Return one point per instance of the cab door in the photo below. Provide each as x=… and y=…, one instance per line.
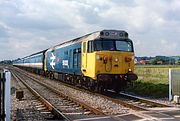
x=84, y=58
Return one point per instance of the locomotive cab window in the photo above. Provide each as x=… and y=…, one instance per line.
x=84, y=47
x=124, y=46
x=90, y=46
x=113, y=45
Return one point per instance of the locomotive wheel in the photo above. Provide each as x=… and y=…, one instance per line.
x=52, y=76
x=92, y=85
x=117, y=90
x=101, y=89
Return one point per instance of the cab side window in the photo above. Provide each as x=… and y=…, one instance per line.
x=90, y=46
x=84, y=47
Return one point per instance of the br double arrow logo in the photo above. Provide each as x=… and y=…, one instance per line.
x=52, y=60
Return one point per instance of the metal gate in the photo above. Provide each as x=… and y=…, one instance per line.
x=174, y=83
x=5, y=78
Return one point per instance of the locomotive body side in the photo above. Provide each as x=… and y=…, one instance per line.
x=64, y=59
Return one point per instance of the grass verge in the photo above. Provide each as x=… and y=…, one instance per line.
x=152, y=81
x=148, y=89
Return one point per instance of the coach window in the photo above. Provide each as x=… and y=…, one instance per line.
x=84, y=47
x=90, y=46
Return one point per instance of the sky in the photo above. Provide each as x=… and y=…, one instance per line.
x=29, y=26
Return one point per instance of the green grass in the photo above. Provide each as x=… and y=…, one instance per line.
x=157, y=66
x=152, y=80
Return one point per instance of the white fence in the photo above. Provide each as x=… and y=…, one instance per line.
x=5, y=81
x=174, y=83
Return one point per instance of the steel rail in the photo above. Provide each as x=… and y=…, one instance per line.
x=124, y=103
x=153, y=103
x=50, y=107
x=82, y=104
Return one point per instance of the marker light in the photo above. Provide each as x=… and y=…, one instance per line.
x=110, y=58
x=98, y=57
x=105, y=58
x=128, y=58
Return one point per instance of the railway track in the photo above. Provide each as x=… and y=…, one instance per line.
x=52, y=109
x=128, y=101
x=63, y=106
x=133, y=102
x=142, y=101
x=28, y=107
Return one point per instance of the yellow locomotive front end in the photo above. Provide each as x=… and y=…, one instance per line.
x=108, y=60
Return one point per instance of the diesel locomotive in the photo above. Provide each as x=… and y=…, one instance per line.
x=98, y=61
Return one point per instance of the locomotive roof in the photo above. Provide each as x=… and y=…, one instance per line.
x=93, y=35
x=76, y=39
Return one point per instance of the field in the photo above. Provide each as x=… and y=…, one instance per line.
x=152, y=80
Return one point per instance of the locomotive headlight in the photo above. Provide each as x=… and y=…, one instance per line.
x=98, y=57
x=116, y=59
x=129, y=70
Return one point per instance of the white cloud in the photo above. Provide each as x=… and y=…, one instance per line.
x=28, y=26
